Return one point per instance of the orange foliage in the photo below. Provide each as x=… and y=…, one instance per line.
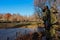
x=7, y=16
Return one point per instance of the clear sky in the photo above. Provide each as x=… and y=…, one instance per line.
x=23, y=7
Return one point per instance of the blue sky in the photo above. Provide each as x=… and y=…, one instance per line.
x=23, y=7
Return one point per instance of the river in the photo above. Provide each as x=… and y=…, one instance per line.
x=11, y=33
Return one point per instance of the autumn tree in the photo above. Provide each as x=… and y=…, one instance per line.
x=48, y=18
x=7, y=16
x=1, y=16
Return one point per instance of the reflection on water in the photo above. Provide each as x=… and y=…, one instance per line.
x=11, y=33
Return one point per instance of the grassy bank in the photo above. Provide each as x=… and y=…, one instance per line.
x=18, y=25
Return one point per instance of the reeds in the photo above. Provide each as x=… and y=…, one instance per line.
x=30, y=36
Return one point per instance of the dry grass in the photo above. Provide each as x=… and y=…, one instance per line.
x=30, y=36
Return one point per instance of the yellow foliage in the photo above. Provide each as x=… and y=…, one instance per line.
x=53, y=16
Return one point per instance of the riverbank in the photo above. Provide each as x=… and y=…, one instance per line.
x=19, y=25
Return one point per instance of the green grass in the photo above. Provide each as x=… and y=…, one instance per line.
x=17, y=25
